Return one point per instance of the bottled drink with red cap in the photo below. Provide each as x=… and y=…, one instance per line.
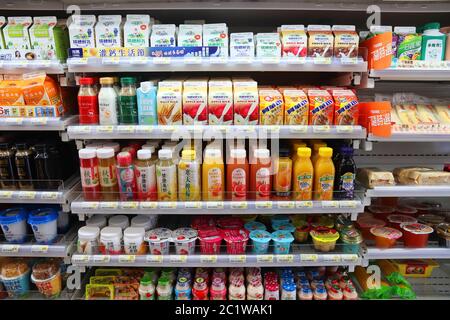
x=88, y=101
x=89, y=174
x=125, y=176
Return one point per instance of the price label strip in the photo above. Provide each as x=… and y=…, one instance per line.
x=263, y=204
x=10, y=248
x=101, y=259
x=149, y=205
x=13, y=121
x=27, y=195
x=239, y=205
x=214, y=205
x=330, y=204
x=286, y=205
x=132, y=205
x=82, y=129
x=161, y=60
x=39, y=121
x=109, y=205
x=126, y=129
x=144, y=129
x=6, y=194
x=114, y=60
x=264, y=258
x=304, y=204
x=208, y=258
x=154, y=259
x=105, y=129
x=178, y=258
x=298, y=129
x=334, y=258
x=351, y=258
x=127, y=258
x=237, y=258
x=193, y=205
x=49, y=195
x=344, y=129
x=321, y=129
x=347, y=204
x=167, y=205
x=309, y=257
x=89, y=205
x=80, y=258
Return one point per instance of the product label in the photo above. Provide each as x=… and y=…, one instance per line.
x=215, y=187
x=88, y=109
x=296, y=107
x=128, y=109
x=108, y=109
x=166, y=178
x=146, y=182
x=89, y=177
x=239, y=184
x=263, y=184
x=304, y=186
x=325, y=191
x=126, y=183
x=347, y=184
x=189, y=181
x=271, y=107
x=108, y=176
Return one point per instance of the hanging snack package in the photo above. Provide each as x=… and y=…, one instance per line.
x=321, y=108
x=346, y=108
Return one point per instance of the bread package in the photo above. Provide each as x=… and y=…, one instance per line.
x=372, y=177
x=401, y=174
x=425, y=177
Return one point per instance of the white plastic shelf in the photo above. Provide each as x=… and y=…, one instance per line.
x=197, y=64
x=36, y=124
x=27, y=66
x=435, y=287
x=412, y=137
x=84, y=132
x=409, y=191
x=407, y=253
x=411, y=74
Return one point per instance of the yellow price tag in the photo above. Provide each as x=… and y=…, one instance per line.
x=10, y=248
x=149, y=205
x=208, y=258
x=161, y=60
x=344, y=129
x=167, y=205
x=49, y=195
x=80, y=258
x=105, y=129
x=133, y=205
x=101, y=258
x=83, y=129
x=309, y=257
x=298, y=129
x=127, y=258
x=321, y=129
x=154, y=259
x=286, y=204
x=214, y=205
x=331, y=258
x=264, y=258
x=126, y=129
x=347, y=204
x=237, y=258
x=89, y=205
x=39, y=121
x=353, y=258
x=239, y=205
x=283, y=258
x=109, y=205
x=304, y=204
x=6, y=194
x=192, y=205
x=330, y=204
x=167, y=129
x=182, y=258
x=39, y=248
x=27, y=195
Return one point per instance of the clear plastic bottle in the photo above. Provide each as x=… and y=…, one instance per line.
x=7, y=167
x=145, y=170
x=189, y=177
x=146, y=289
x=166, y=176
x=107, y=171
x=213, y=175
x=125, y=176
x=108, y=102
x=164, y=289
x=25, y=166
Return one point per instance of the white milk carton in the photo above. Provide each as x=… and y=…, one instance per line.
x=2, y=24
x=136, y=31
x=220, y=101
x=195, y=101
x=242, y=45
x=163, y=35
x=81, y=31
x=216, y=35
x=108, y=31
x=190, y=35
x=268, y=45
x=294, y=41
x=16, y=33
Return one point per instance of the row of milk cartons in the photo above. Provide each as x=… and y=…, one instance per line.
x=34, y=38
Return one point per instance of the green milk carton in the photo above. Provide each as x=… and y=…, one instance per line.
x=433, y=42
x=16, y=33
x=48, y=38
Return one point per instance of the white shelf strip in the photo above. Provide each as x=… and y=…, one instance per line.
x=409, y=191
x=35, y=124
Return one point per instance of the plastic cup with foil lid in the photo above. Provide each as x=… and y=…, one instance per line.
x=280, y=219
x=395, y=220
x=210, y=240
x=368, y=223
x=351, y=239
x=282, y=240
x=406, y=210
x=380, y=211
x=184, y=239
x=47, y=278
x=416, y=235
x=13, y=222
x=443, y=232
x=236, y=240
x=16, y=278
x=422, y=208
x=385, y=237
x=301, y=233
x=284, y=227
x=324, y=221
x=159, y=240
x=254, y=225
x=324, y=238
x=43, y=221
x=431, y=220
x=260, y=240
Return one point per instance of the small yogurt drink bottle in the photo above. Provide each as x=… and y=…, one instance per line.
x=146, y=289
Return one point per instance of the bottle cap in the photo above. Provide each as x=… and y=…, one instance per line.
x=262, y=153
x=146, y=85
x=212, y=153
x=325, y=152
x=105, y=153
x=124, y=158
x=149, y=147
x=304, y=152
x=318, y=145
x=86, y=153
x=238, y=153
x=188, y=154
x=127, y=81
x=432, y=25
x=107, y=80
x=114, y=145
x=165, y=154
x=87, y=81
x=144, y=154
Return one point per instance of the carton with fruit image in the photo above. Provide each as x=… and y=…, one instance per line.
x=108, y=31
x=246, y=101
x=220, y=101
x=346, y=108
x=296, y=107
x=321, y=108
x=81, y=31
x=271, y=106
x=190, y=35
x=195, y=102
x=294, y=42
x=216, y=35
x=163, y=35
x=136, y=31
x=169, y=102
x=16, y=33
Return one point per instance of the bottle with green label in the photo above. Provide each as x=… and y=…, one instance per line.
x=128, y=101
x=345, y=175
x=433, y=42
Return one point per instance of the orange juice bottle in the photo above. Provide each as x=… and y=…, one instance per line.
x=237, y=175
x=324, y=175
x=213, y=175
x=315, y=151
x=303, y=175
x=295, y=145
x=260, y=178
x=283, y=174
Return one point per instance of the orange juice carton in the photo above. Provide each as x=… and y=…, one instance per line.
x=163, y=35
x=195, y=102
x=169, y=102
x=41, y=90
x=190, y=35
x=271, y=107
x=268, y=45
x=294, y=41
x=108, y=31
x=11, y=93
x=2, y=24
x=246, y=102
x=220, y=101
x=136, y=31
x=346, y=108
x=296, y=107
x=321, y=108
x=16, y=33
x=81, y=31
x=346, y=42
x=242, y=45
x=320, y=43
x=216, y=35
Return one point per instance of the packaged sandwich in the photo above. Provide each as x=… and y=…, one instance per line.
x=372, y=177
x=401, y=174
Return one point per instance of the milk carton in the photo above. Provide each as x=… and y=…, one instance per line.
x=16, y=33
x=169, y=102
x=220, y=101
x=163, y=35
x=81, y=31
x=245, y=98
x=216, y=35
x=48, y=38
x=195, y=102
x=136, y=30
x=108, y=31
x=190, y=35
x=268, y=45
x=294, y=41
x=2, y=24
x=242, y=45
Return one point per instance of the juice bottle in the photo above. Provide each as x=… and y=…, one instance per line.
x=345, y=174
x=213, y=173
x=189, y=176
x=324, y=175
x=88, y=102
x=283, y=174
x=107, y=170
x=89, y=174
x=145, y=171
x=25, y=166
x=166, y=176
x=125, y=176
x=108, y=102
x=128, y=101
x=295, y=145
x=315, y=151
x=260, y=178
x=237, y=175
x=7, y=167
x=303, y=175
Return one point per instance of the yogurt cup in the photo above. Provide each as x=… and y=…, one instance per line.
x=147, y=222
x=280, y=219
x=248, y=217
x=351, y=239
x=44, y=224
x=120, y=221
x=365, y=224
x=236, y=240
x=324, y=238
x=260, y=240
x=97, y=221
x=415, y=235
x=16, y=279
x=159, y=240
x=395, y=220
x=385, y=237
x=282, y=241
x=88, y=240
x=111, y=240
x=406, y=210
x=284, y=227
x=301, y=233
x=230, y=223
x=431, y=220
x=443, y=232
x=184, y=239
x=14, y=224
x=381, y=211
x=254, y=225
x=133, y=241
x=210, y=240
x=47, y=278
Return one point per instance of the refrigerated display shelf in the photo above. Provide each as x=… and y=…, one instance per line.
x=198, y=64
x=37, y=124
x=65, y=294
x=205, y=131
x=409, y=191
x=436, y=287
x=411, y=137
x=28, y=66
x=412, y=74
x=430, y=252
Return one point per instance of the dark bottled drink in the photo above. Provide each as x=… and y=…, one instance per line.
x=345, y=174
x=7, y=167
x=25, y=166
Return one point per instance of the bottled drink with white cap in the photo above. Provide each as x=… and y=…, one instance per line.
x=189, y=176
x=145, y=170
x=166, y=176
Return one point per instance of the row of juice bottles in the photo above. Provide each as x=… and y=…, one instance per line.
x=136, y=173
